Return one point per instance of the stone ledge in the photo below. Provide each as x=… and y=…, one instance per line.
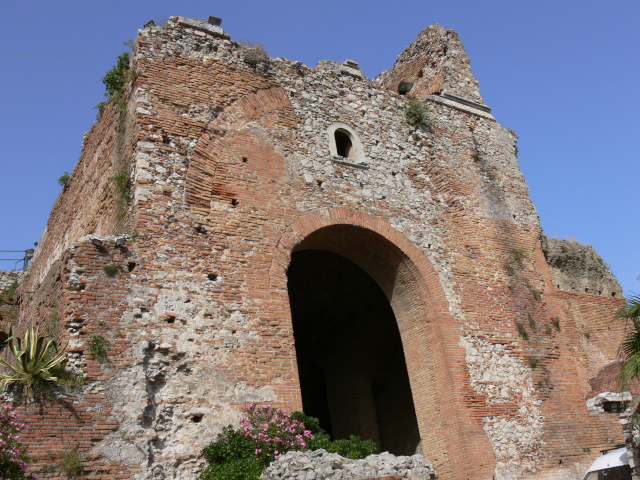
x=462, y=105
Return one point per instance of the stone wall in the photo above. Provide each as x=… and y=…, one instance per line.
x=576, y=267
x=233, y=157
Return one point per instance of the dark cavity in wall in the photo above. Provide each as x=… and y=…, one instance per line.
x=344, y=146
x=353, y=374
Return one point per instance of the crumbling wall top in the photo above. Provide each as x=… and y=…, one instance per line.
x=435, y=63
x=576, y=267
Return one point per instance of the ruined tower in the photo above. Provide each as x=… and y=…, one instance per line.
x=290, y=235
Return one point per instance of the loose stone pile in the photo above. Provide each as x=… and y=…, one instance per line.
x=320, y=465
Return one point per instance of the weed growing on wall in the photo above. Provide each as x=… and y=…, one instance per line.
x=64, y=179
x=13, y=454
x=522, y=330
x=417, y=114
x=10, y=291
x=112, y=269
x=114, y=81
x=254, y=54
x=99, y=347
x=122, y=182
x=71, y=463
x=556, y=323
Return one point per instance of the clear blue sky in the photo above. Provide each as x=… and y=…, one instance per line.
x=563, y=74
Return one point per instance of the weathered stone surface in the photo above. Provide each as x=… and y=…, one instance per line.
x=576, y=267
x=320, y=465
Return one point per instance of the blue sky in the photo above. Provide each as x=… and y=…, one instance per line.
x=562, y=74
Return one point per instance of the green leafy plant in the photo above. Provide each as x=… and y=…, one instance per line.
x=11, y=290
x=532, y=321
x=548, y=330
x=522, y=330
x=122, y=182
x=64, y=179
x=508, y=267
x=587, y=335
x=536, y=294
x=518, y=254
x=114, y=81
x=34, y=363
x=99, y=347
x=476, y=157
x=417, y=114
x=629, y=351
x=533, y=361
x=71, y=462
x=264, y=434
x=555, y=321
x=112, y=269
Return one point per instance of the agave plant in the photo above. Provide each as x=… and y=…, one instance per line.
x=34, y=362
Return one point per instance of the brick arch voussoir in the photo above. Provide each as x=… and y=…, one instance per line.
x=420, y=266
x=223, y=128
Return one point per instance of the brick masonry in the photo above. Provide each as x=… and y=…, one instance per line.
x=232, y=173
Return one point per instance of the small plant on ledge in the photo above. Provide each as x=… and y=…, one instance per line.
x=417, y=114
x=64, y=179
x=112, y=269
x=122, y=181
x=99, y=347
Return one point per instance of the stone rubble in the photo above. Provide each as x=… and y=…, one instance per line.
x=321, y=465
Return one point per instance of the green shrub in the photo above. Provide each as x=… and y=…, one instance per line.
x=508, y=267
x=11, y=290
x=556, y=323
x=417, y=114
x=64, y=179
x=532, y=321
x=111, y=269
x=518, y=254
x=98, y=347
x=114, y=81
x=266, y=433
x=249, y=468
x=71, y=463
x=122, y=181
x=522, y=330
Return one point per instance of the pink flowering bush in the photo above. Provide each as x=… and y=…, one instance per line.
x=13, y=455
x=274, y=431
x=266, y=433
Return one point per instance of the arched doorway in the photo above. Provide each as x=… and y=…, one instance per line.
x=449, y=414
x=353, y=374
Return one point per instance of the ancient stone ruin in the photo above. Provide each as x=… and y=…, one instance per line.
x=244, y=228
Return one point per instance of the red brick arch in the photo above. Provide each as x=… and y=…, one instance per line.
x=269, y=107
x=451, y=429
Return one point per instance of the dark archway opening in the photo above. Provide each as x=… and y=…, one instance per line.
x=353, y=374
x=344, y=146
